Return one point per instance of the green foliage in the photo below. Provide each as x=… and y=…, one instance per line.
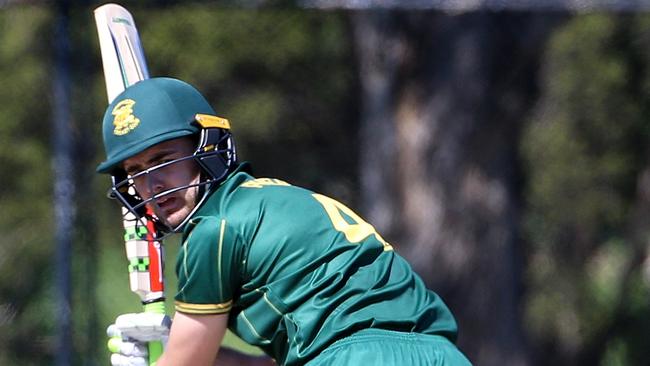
x=25, y=198
x=283, y=78
x=583, y=153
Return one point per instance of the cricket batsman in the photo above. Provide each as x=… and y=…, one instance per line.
x=293, y=272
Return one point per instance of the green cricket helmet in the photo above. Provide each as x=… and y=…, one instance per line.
x=157, y=110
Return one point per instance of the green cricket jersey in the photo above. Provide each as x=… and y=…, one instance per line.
x=297, y=271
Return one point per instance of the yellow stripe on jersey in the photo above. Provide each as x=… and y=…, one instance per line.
x=252, y=328
x=184, y=307
x=219, y=251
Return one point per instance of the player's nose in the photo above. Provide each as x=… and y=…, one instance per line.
x=156, y=183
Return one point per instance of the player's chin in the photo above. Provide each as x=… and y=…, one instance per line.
x=175, y=218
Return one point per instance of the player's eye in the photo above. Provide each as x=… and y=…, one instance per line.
x=165, y=159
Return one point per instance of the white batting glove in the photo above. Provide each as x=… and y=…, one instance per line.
x=130, y=334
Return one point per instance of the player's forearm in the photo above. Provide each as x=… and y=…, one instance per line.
x=229, y=357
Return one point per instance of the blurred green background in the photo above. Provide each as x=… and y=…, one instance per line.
x=504, y=153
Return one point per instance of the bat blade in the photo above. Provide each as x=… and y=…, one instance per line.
x=124, y=65
x=122, y=53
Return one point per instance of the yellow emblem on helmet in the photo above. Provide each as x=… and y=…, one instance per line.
x=124, y=121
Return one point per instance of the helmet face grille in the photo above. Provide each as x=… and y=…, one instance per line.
x=215, y=155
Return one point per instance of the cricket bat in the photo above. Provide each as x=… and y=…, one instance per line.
x=124, y=65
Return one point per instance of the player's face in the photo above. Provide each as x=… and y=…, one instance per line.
x=174, y=207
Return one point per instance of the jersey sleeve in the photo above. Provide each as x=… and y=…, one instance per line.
x=205, y=268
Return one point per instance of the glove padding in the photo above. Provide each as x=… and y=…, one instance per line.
x=130, y=334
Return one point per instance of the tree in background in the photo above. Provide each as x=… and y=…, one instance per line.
x=547, y=245
x=586, y=159
x=284, y=77
x=444, y=99
x=26, y=321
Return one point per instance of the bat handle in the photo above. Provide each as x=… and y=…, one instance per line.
x=155, y=348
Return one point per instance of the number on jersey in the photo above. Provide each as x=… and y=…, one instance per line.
x=355, y=232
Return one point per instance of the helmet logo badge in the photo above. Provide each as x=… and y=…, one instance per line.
x=124, y=120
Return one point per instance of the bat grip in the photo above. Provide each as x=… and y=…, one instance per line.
x=155, y=348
